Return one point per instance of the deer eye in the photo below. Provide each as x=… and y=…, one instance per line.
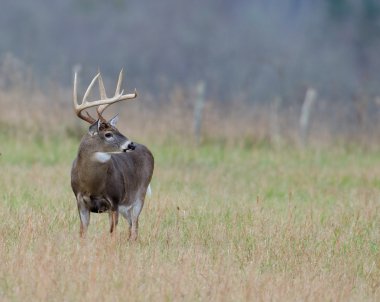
x=108, y=135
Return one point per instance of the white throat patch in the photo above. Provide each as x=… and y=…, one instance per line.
x=101, y=157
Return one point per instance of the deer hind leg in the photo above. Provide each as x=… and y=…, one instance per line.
x=131, y=213
x=126, y=213
x=114, y=219
x=84, y=215
x=135, y=213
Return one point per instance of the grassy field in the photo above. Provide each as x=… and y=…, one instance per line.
x=224, y=223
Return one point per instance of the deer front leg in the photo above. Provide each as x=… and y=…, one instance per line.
x=84, y=222
x=84, y=215
x=114, y=219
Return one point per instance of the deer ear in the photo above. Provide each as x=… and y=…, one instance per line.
x=113, y=121
x=94, y=128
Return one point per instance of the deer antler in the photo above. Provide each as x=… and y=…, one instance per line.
x=101, y=104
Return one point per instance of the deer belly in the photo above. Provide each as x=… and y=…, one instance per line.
x=97, y=204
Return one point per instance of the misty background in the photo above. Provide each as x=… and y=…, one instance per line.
x=252, y=52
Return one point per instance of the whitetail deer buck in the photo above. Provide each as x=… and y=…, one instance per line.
x=111, y=173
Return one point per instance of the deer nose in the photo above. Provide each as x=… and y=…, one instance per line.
x=131, y=146
x=128, y=146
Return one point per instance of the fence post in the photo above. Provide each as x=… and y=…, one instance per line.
x=307, y=106
x=274, y=123
x=198, y=110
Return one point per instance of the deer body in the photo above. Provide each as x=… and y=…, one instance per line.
x=110, y=174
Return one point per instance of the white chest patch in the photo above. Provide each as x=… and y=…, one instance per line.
x=101, y=157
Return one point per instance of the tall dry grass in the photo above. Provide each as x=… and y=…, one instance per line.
x=271, y=229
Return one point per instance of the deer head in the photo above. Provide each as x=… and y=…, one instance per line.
x=103, y=135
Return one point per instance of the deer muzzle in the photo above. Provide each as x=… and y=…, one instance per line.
x=128, y=146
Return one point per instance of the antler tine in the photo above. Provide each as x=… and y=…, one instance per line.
x=117, y=91
x=77, y=108
x=127, y=96
x=103, y=96
x=102, y=90
x=89, y=88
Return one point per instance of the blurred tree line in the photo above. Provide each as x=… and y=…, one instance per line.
x=247, y=50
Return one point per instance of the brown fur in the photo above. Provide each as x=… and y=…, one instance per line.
x=120, y=184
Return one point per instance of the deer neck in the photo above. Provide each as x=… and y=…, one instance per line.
x=92, y=169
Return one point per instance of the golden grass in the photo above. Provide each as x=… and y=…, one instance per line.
x=224, y=224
